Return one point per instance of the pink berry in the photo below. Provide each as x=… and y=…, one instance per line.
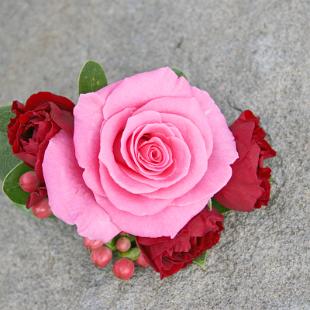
x=142, y=261
x=124, y=268
x=92, y=244
x=123, y=244
x=42, y=209
x=101, y=256
x=29, y=182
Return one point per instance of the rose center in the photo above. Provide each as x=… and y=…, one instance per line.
x=153, y=154
x=28, y=133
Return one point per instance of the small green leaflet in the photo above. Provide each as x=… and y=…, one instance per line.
x=201, y=260
x=11, y=185
x=112, y=244
x=92, y=78
x=219, y=207
x=132, y=254
x=7, y=160
x=179, y=73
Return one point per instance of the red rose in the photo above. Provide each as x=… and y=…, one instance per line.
x=167, y=256
x=249, y=186
x=36, y=122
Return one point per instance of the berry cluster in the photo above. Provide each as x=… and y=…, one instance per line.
x=29, y=183
x=124, y=247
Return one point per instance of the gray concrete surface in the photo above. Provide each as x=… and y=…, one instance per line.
x=247, y=54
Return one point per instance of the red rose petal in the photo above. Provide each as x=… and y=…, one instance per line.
x=249, y=186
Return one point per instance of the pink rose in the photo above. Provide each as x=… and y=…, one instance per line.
x=147, y=155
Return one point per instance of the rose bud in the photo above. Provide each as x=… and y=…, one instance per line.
x=124, y=268
x=123, y=244
x=142, y=261
x=101, y=256
x=92, y=244
x=41, y=209
x=29, y=182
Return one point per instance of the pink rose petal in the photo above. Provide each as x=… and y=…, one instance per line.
x=189, y=108
x=223, y=155
x=168, y=222
x=109, y=133
x=126, y=201
x=199, y=158
x=140, y=88
x=69, y=198
x=87, y=123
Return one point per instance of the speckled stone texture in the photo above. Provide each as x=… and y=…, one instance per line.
x=247, y=54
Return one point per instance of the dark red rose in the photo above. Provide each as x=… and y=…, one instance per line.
x=36, y=122
x=249, y=186
x=167, y=256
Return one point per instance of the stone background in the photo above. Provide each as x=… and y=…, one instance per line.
x=247, y=54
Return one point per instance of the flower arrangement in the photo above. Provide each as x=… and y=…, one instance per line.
x=146, y=167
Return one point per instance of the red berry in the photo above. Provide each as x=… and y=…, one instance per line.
x=124, y=268
x=42, y=209
x=142, y=261
x=92, y=244
x=29, y=182
x=101, y=256
x=123, y=244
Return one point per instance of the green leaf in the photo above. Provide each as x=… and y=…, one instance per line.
x=7, y=160
x=112, y=244
x=201, y=260
x=92, y=78
x=179, y=73
x=220, y=208
x=132, y=254
x=11, y=185
x=5, y=115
